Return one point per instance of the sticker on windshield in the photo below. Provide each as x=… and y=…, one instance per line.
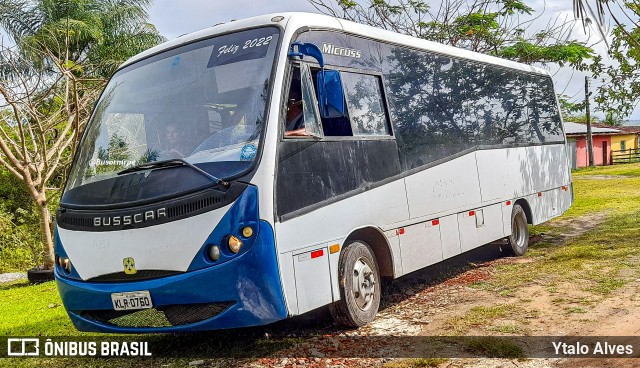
x=248, y=152
x=241, y=46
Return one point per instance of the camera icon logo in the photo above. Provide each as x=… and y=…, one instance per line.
x=23, y=347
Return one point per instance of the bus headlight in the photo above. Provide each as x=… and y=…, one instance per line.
x=67, y=265
x=214, y=252
x=234, y=244
x=64, y=263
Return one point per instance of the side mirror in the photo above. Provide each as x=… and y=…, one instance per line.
x=330, y=92
x=307, y=49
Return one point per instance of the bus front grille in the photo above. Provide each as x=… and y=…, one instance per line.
x=165, y=316
x=139, y=275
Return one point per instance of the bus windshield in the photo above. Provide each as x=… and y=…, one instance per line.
x=203, y=102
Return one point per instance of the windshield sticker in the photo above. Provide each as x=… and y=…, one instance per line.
x=241, y=47
x=248, y=152
x=330, y=49
x=124, y=163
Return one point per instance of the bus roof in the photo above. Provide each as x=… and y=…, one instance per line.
x=299, y=20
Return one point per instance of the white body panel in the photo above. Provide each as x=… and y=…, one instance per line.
x=171, y=246
x=444, y=187
x=313, y=278
x=481, y=181
x=420, y=246
x=480, y=226
x=385, y=204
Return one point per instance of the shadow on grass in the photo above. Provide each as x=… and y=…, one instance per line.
x=15, y=284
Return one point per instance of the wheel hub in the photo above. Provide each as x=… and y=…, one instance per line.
x=364, y=284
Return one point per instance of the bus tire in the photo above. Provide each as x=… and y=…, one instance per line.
x=360, y=286
x=519, y=238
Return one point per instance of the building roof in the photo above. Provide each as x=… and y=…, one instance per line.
x=581, y=129
x=629, y=129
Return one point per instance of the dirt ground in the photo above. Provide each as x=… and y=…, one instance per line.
x=417, y=305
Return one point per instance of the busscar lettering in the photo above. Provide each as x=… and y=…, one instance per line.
x=130, y=219
x=330, y=49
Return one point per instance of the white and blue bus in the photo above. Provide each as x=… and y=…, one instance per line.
x=266, y=167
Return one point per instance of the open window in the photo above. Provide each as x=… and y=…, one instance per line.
x=303, y=117
x=365, y=113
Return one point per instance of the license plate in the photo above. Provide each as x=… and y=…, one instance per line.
x=131, y=300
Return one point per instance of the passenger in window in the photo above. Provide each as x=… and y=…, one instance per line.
x=175, y=146
x=295, y=116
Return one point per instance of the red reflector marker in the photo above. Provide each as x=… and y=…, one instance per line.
x=401, y=230
x=435, y=222
x=539, y=194
x=472, y=213
x=508, y=203
x=317, y=253
x=564, y=187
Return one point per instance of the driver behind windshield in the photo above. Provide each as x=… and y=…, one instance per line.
x=174, y=145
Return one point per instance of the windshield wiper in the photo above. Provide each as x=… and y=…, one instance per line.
x=171, y=163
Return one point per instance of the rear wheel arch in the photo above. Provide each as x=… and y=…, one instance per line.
x=377, y=241
x=527, y=209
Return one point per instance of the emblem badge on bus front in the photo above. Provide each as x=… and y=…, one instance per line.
x=129, y=266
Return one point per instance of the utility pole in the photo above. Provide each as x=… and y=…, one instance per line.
x=589, y=135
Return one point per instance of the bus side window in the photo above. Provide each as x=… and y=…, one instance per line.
x=366, y=113
x=333, y=127
x=367, y=110
x=302, y=107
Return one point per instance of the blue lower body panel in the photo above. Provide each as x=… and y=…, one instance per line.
x=249, y=286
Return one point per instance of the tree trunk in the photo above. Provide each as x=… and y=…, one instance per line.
x=47, y=238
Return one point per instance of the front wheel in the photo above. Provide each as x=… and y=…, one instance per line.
x=519, y=238
x=359, y=286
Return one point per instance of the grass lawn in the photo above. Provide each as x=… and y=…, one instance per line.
x=595, y=258
x=33, y=310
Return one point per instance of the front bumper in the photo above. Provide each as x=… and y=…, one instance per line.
x=242, y=292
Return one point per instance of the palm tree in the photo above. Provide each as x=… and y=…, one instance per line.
x=596, y=12
x=102, y=33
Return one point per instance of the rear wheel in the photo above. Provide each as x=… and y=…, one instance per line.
x=519, y=238
x=359, y=286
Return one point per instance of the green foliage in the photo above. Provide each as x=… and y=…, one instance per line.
x=574, y=111
x=613, y=118
x=619, y=93
x=19, y=226
x=572, y=53
x=65, y=50
x=104, y=33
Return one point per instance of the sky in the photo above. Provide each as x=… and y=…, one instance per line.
x=174, y=18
